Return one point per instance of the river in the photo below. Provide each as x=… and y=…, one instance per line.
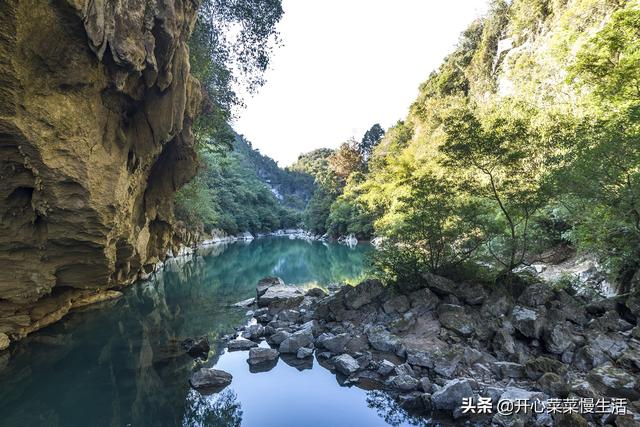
x=121, y=364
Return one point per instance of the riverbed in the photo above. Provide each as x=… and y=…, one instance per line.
x=120, y=363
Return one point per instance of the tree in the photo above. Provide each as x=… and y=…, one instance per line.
x=225, y=59
x=346, y=160
x=370, y=139
x=610, y=62
x=499, y=160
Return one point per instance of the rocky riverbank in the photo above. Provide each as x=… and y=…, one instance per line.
x=430, y=345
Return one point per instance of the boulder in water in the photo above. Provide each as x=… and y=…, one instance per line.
x=208, y=380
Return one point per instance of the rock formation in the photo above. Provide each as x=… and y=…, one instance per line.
x=96, y=106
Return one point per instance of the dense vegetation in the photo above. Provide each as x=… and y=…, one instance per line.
x=527, y=136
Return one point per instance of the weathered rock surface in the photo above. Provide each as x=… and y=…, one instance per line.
x=208, y=381
x=240, y=344
x=261, y=355
x=428, y=352
x=96, y=109
x=345, y=364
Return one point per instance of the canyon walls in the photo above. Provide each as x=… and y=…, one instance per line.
x=96, y=106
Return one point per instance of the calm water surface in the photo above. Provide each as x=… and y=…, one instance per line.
x=120, y=363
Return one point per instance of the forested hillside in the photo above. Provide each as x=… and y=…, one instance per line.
x=237, y=189
x=527, y=136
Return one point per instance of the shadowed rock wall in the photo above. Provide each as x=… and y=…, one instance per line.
x=96, y=105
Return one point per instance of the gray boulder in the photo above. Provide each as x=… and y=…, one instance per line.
x=538, y=366
x=208, y=380
x=261, y=355
x=304, y=352
x=528, y=322
x=449, y=397
x=334, y=343
x=345, y=364
x=440, y=285
x=385, y=368
x=536, y=294
x=403, y=383
x=383, y=340
x=279, y=336
x=281, y=297
x=614, y=382
x=454, y=318
x=508, y=370
x=396, y=304
x=362, y=294
x=558, y=338
x=239, y=344
x=253, y=332
x=298, y=339
x=266, y=283
x=472, y=293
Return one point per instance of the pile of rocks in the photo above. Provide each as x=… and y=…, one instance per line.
x=430, y=345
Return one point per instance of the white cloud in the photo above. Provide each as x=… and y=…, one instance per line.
x=345, y=65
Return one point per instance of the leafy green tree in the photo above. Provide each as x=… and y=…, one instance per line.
x=499, y=159
x=609, y=63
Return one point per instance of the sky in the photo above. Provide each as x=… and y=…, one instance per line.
x=345, y=65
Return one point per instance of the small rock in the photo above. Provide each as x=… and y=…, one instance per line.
x=450, y=396
x=415, y=402
x=363, y=294
x=208, y=380
x=279, y=336
x=253, y=332
x=334, y=343
x=536, y=367
x=383, y=340
x=440, y=285
x=402, y=383
x=386, y=368
x=261, y=355
x=508, y=370
x=454, y=318
x=304, y=352
x=266, y=283
x=527, y=322
x=345, y=364
x=298, y=339
x=239, y=344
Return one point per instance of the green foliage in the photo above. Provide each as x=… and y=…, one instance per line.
x=229, y=48
x=228, y=194
x=609, y=64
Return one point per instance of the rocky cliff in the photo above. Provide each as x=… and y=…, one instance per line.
x=96, y=106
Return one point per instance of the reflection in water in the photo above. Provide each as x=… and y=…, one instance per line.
x=220, y=410
x=120, y=363
x=387, y=409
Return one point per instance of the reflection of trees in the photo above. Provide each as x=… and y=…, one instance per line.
x=390, y=412
x=121, y=362
x=219, y=410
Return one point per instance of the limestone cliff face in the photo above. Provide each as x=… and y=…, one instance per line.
x=96, y=105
